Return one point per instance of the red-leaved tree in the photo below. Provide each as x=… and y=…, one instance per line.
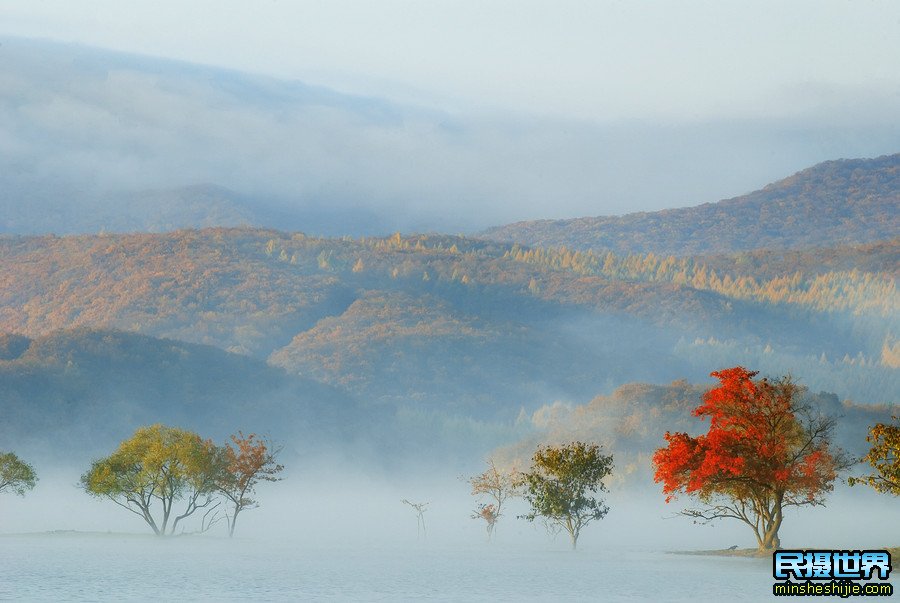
x=765, y=450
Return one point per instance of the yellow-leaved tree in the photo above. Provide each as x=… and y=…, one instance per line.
x=155, y=469
x=884, y=457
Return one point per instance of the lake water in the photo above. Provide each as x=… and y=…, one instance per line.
x=100, y=567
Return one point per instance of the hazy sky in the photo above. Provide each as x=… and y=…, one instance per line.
x=498, y=110
x=597, y=60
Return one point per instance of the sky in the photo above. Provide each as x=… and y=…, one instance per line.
x=502, y=110
x=595, y=60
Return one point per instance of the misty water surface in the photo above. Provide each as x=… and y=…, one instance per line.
x=100, y=567
x=349, y=537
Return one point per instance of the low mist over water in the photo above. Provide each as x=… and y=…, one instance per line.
x=352, y=538
x=345, y=507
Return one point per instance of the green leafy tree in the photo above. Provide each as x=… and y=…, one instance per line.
x=153, y=470
x=561, y=485
x=884, y=457
x=16, y=475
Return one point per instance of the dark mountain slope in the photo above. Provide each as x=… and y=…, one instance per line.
x=91, y=388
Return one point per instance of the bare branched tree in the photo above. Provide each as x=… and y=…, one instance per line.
x=420, y=509
x=498, y=486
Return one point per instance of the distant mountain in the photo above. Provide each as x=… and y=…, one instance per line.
x=833, y=203
x=94, y=140
x=144, y=211
x=104, y=141
x=450, y=324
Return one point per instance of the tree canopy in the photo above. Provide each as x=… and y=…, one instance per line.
x=153, y=470
x=561, y=484
x=884, y=457
x=249, y=461
x=16, y=475
x=765, y=450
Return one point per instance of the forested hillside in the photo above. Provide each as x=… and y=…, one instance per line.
x=451, y=324
x=833, y=203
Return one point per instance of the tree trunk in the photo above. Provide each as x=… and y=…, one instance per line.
x=770, y=540
x=148, y=517
x=573, y=532
x=167, y=508
x=233, y=521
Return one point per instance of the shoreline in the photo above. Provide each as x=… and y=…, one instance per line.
x=723, y=553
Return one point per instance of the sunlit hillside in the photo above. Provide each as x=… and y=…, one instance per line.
x=832, y=203
x=464, y=325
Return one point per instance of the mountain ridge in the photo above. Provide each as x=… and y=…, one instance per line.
x=846, y=201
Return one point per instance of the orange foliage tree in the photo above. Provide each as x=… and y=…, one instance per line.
x=250, y=461
x=765, y=450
